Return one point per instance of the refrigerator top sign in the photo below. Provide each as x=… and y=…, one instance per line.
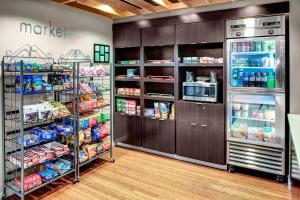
x=254, y=27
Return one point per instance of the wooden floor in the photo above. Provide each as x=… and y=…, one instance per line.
x=140, y=176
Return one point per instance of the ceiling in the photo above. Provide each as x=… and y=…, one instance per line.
x=116, y=9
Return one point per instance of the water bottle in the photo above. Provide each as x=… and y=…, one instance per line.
x=235, y=81
x=241, y=78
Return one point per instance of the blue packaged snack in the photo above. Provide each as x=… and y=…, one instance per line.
x=29, y=140
x=27, y=85
x=37, y=84
x=48, y=174
x=95, y=130
x=47, y=87
x=44, y=135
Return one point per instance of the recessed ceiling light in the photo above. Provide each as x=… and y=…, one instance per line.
x=160, y=2
x=107, y=8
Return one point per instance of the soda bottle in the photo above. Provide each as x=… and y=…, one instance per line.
x=246, y=80
x=252, y=80
x=241, y=78
x=234, y=47
x=270, y=80
x=252, y=46
x=258, y=79
x=264, y=79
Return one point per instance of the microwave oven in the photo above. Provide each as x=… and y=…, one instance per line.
x=200, y=91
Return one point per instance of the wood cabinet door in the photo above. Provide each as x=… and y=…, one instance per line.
x=158, y=36
x=134, y=130
x=216, y=134
x=187, y=139
x=191, y=112
x=166, y=136
x=200, y=32
x=149, y=135
x=120, y=127
x=129, y=37
x=127, y=129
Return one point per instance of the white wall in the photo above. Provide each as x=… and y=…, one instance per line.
x=83, y=29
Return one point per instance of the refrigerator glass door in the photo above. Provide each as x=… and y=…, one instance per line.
x=256, y=118
x=256, y=63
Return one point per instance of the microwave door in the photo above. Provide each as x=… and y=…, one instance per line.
x=189, y=91
x=201, y=91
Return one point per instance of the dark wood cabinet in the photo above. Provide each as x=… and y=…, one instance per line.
x=158, y=135
x=149, y=135
x=158, y=36
x=201, y=136
x=127, y=129
x=127, y=37
x=200, y=32
x=166, y=136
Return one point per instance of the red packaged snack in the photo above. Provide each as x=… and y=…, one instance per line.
x=30, y=182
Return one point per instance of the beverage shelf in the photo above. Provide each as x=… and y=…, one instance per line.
x=252, y=53
x=253, y=119
x=201, y=64
x=248, y=67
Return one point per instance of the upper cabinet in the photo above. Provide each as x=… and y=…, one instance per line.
x=158, y=36
x=127, y=37
x=200, y=32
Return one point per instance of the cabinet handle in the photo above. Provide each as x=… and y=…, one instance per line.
x=199, y=103
x=203, y=125
x=193, y=124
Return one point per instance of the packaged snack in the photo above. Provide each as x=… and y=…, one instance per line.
x=30, y=182
x=58, y=149
x=31, y=113
x=29, y=140
x=157, y=113
x=44, y=112
x=37, y=84
x=149, y=112
x=269, y=134
x=164, y=110
x=90, y=150
x=62, y=166
x=104, y=131
x=82, y=156
x=172, y=113
x=48, y=174
x=95, y=130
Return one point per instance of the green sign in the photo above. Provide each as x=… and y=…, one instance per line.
x=101, y=53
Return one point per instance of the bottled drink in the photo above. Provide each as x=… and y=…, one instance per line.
x=272, y=61
x=252, y=80
x=247, y=46
x=238, y=46
x=264, y=79
x=252, y=46
x=241, y=78
x=270, y=80
x=258, y=46
x=258, y=79
x=243, y=47
x=246, y=80
x=234, y=47
x=235, y=80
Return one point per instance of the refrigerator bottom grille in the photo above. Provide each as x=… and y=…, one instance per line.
x=295, y=172
x=255, y=157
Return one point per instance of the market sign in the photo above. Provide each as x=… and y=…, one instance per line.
x=46, y=29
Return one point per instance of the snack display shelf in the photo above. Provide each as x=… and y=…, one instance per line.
x=127, y=96
x=159, y=64
x=127, y=65
x=123, y=113
x=15, y=188
x=93, y=75
x=127, y=79
x=254, y=119
x=158, y=81
x=255, y=142
x=99, y=155
x=201, y=64
x=159, y=98
x=43, y=73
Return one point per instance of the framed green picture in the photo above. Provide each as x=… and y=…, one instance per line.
x=101, y=53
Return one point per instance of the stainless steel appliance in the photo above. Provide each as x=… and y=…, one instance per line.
x=200, y=91
x=256, y=94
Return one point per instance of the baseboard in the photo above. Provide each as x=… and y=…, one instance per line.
x=174, y=156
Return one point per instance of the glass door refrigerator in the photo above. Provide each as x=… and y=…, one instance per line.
x=256, y=94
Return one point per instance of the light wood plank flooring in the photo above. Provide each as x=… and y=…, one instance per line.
x=141, y=176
